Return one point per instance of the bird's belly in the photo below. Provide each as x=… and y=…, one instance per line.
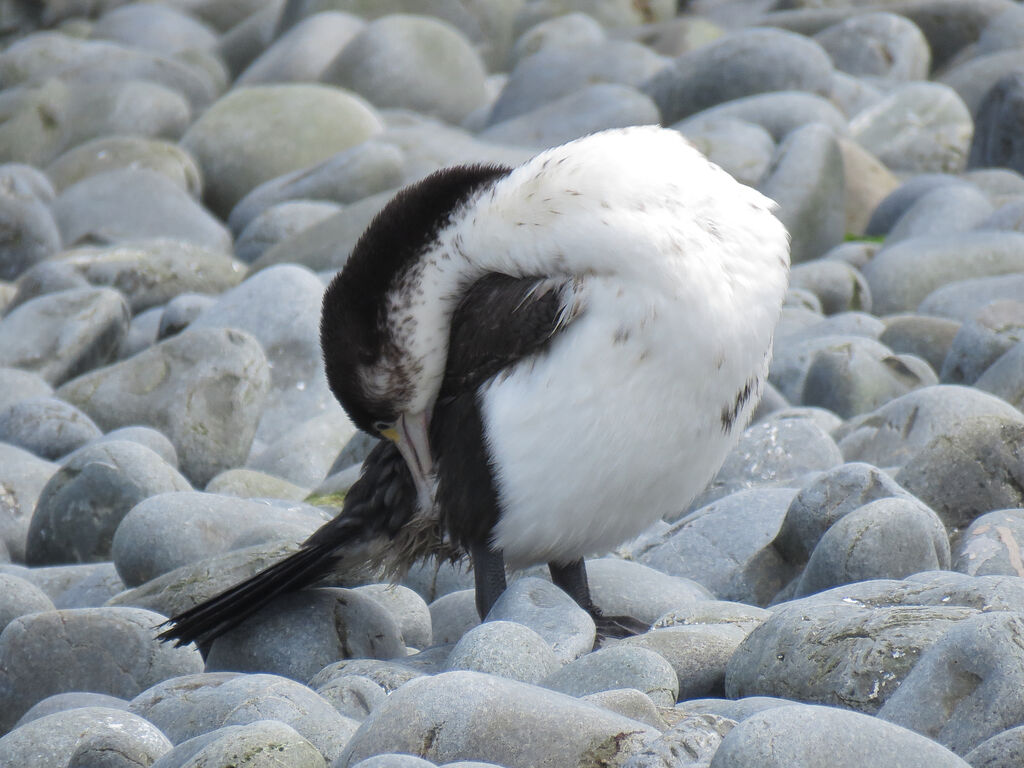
x=611, y=430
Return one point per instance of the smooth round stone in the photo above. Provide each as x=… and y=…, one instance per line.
x=1004, y=750
x=898, y=201
x=354, y=696
x=182, y=387
x=168, y=530
x=303, y=52
x=304, y=453
x=675, y=36
x=698, y=653
x=407, y=608
x=453, y=614
x=618, y=666
x=135, y=204
x=298, y=388
x=811, y=735
x=153, y=28
x=549, y=612
x=25, y=181
x=628, y=702
x=1008, y=217
x=827, y=499
x=505, y=649
x=48, y=427
x=697, y=736
x=722, y=613
x=839, y=286
x=1001, y=185
x=594, y=108
x=835, y=649
x=726, y=546
x=625, y=588
x=74, y=586
x=966, y=687
x=877, y=45
x=181, y=311
x=741, y=64
x=125, y=106
x=989, y=545
x=899, y=430
x=850, y=380
x=255, y=134
x=19, y=597
x=796, y=350
x=852, y=94
x=82, y=504
x=928, y=338
x=982, y=340
x=555, y=73
x=743, y=149
x=152, y=272
x=963, y=299
x=249, y=484
x=61, y=335
x=1004, y=31
x=774, y=453
x=17, y=385
x=825, y=419
x=903, y=275
x=947, y=209
x=110, y=153
x=970, y=471
x=279, y=222
x=919, y=127
x=1005, y=377
x=62, y=702
x=85, y=650
x=560, y=33
x=885, y=539
x=30, y=233
x=867, y=182
x=298, y=635
x=778, y=112
x=142, y=333
x=484, y=717
x=995, y=142
x=611, y=14
x=389, y=675
x=239, y=46
x=975, y=77
x=195, y=704
x=412, y=62
x=393, y=761
x=65, y=738
x=347, y=177
x=261, y=744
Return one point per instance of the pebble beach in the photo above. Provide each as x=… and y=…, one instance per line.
x=179, y=181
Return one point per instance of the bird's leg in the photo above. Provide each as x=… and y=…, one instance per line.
x=489, y=572
x=572, y=579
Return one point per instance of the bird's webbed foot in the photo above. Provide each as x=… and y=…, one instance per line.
x=572, y=579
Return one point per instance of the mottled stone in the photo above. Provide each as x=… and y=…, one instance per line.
x=982, y=340
x=991, y=545
x=19, y=597
x=48, y=427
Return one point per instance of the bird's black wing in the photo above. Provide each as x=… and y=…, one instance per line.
x=499, y=322
x=379, y=503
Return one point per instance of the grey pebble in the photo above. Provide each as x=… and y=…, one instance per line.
x=614, y=667
x=967, y=687
x=961, y=300
x=990, y=545
x=108, y=153
x=88, y=585
x=265, y=743
x=1005, y=377
x=878, y=45
x=690, y=743
x=839, y=286
x=1003, y=31
x=902, y=275
x=741, y=64
x=1004, y=750
x=64, y=737
x=48, y=427
x=995, y=143
x=982, y=340
x=279, y=222
x=1009, y=217
x=255, y=134
x=742, y=148
x=239, y=46
x=838, y=648
x=64, y=334
x=366, y=169
x=726, y=546
x=61, y=702
x=588, y=110
x=549, y=612
x=898, y=201
x=611, y=14
x=194, y=704
x=778, y=112
x=453, y=614
x=214, y=377
x=923, y=336
x=567, y=32
x=19, y=597
x=389, y=675
x=626, y=588
x=180, y=311
x=506, y=649
x=814, y=735
x=407, y=608
x=167, y=530
x=715, y=613
x=867, y=182
x=732, y=709
x=946, y=209
x=154, y=28
x=461, y=711
x=98, y=106
x=395, y=62
x=303, y=455
x=30, y=233
x=918, y=127
x=975, y=77
x=16, y=385
x=83, y=503
x=697, y=652
x=354, y=696
x=303, y=52
x=807, y=181
x=23, y=476
x=84, y=649
x=796, y=350
x=394, y=760
x=888, y=538
x=628, y=702
x=1002, y=185
x=298, y=635
x=248, y=484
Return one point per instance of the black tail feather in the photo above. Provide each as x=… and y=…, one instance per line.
x=225, y=611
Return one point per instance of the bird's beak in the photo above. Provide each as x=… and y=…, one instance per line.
x=409, y=433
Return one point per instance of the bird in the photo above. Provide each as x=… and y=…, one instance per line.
x=554, y=357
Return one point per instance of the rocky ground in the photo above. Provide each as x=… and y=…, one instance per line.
x=180, y=178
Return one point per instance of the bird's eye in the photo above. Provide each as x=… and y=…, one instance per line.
x=385, y=429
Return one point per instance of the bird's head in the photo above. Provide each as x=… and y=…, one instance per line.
x=384, y=324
